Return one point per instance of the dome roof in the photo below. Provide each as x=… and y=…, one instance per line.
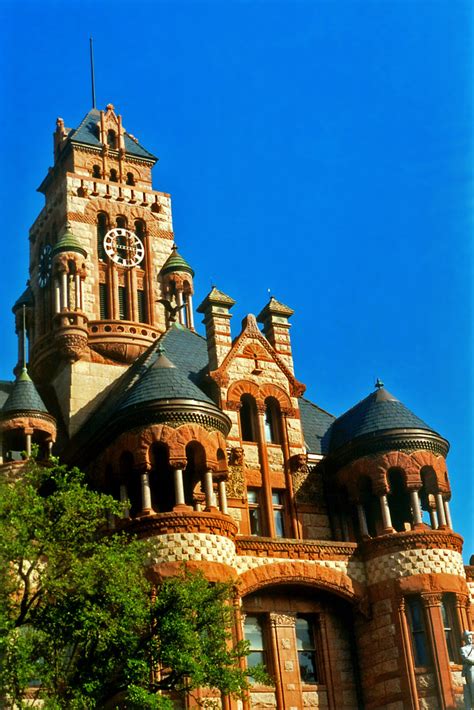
x=69, y=242
x=379, y=412
x=164, y=383
x=23, y=397
x=175, y=262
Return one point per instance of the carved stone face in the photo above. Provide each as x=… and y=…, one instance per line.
x=237, y=456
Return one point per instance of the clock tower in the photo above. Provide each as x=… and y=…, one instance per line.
x=105, y=276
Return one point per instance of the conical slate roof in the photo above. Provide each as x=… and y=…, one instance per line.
x=378, y=412
x=161, y=383
x=24, y=397
x=175, y=262
x=26, y=299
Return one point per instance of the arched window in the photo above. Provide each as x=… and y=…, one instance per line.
x=399, y=500
x=129, y=478
x=96, y=171
x=272, y=421
x=371, y=505
x=102, y=228
x=161, y=479
x=111, y=139
x=130, y=179
x=248, y=418
x=140, y=228
x=113, y=175
x=121, y=221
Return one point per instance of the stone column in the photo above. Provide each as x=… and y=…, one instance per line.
x=288, y=682
x=1, y=447
x=208, y=490
x=415, y=508
x=124, y=499
x=223, y=497
x=64, y=291
x=386, y=517
x=190, y=312
x=50, y=448
x=440, y=510
x=179, y=302
x=178, y=486
x=57, y=295
x=28, y=435
x=362, y=520
x=433, y=517
x=77, y=288
x=146, y=493
x=406, y=659
x=435, y=628
x=447, y=511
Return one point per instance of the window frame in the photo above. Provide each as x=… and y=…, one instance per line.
x=314, y=650
x=254, y=508
x=418, y=632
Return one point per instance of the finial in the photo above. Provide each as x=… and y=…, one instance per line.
x=174, y=247
x=160, y=350
x=378, y=384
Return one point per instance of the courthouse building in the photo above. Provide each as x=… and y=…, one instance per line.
x=336, y=530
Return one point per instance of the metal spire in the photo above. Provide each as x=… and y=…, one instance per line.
x=92, y=71
x=23, y=364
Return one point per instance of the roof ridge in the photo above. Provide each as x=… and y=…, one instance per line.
x=316, y=406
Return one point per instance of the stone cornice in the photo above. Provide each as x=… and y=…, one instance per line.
x=213, y=523
x=296, y=549
x=390, y=440
x=411, y=540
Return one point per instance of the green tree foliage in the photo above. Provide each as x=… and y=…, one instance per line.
x=80, y=624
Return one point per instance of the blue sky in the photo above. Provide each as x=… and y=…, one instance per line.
x=322, y=150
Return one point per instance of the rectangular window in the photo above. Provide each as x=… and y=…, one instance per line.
x=123, y=303
x=141, y=306
x=416, y=622
x=449, y=624
x=104, y=302
x=255, y=515
x=306, y=648
x=253, y=633
x=278, y=512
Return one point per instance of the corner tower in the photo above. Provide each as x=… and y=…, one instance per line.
x=97, y=250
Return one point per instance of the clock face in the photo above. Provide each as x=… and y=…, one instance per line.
x=44, y=265
x=123, y=247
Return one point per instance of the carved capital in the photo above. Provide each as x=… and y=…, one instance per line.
x=233, y=406
x=278, y=619
x=178, y=463
x=298, y=463
x=431, y=599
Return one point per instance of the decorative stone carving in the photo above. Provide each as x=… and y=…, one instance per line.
x=467, y=656
x=71, y=345
x=236, y=456
x=278, y=619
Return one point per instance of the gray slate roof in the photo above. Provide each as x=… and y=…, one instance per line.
x=162, y=382
x=87, y=132
x=5, y=389
x=378, y=412
x=316, y=426
x=26, y=299
x=23, y=397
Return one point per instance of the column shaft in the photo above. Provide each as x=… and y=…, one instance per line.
x=179, y=487
x=223, y=498
x=146, y=492
x=208, y=489
x=28, y=444
x=64, y=289
x=190, y=312
x=415, y=507
x=433, y=518
x=124, y=499
x=385, y=510
x=440, y=509
x=447, y=511
x=362, y=520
